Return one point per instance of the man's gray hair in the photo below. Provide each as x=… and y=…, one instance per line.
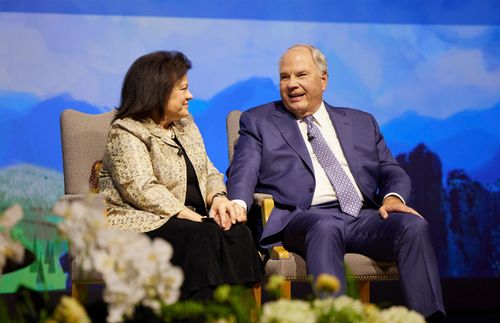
x=318, y=57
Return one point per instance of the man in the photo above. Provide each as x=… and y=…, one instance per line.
x=335, y=184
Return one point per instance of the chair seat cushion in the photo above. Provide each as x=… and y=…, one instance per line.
x=365, y=268
x=359, y=267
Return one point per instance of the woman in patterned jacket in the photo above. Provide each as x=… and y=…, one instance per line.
x=158, y=179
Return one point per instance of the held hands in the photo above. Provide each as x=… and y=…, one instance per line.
x=226, y=213
x=394, y=204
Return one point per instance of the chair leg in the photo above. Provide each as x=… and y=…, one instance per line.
x=78, y=291
x=257, y=295
x=74, y=292
x=286, y=289
x=364, y=291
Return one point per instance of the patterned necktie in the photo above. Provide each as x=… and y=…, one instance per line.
x=349, y=200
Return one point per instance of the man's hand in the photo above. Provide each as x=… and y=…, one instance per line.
x=227, y=213
x=394, y=204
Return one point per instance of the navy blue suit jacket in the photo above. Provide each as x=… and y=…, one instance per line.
x=271, y=157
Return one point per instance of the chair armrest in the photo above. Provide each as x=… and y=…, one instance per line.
x=258, y=198
x=266, y=203
x=279, y=252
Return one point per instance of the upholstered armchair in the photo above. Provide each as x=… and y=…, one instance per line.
x=83, y=138
x=291, y=266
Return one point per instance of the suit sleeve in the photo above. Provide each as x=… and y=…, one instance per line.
x=393, y=178
x=244, y=170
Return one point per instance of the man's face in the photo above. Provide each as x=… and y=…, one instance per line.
x=301, y=82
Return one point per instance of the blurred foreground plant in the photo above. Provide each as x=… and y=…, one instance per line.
x=10, y=249
x=329, y=308
x=136, y=270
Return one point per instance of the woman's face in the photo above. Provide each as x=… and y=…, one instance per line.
x=177, y=106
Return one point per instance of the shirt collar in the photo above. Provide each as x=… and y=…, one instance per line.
x=321, y=116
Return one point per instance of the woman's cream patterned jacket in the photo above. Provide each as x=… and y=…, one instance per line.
x=143, y=176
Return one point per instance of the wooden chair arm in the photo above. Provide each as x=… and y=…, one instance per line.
x=266, y=203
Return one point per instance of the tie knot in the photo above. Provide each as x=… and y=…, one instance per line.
x=309, y=119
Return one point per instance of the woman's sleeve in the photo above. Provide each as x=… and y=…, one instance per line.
x=215, y=181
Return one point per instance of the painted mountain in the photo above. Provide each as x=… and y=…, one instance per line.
x=240, y=96
x=33, y=137
x=468, y=140
x=31, y=134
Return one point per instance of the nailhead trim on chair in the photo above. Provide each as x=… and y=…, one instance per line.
x=362, y=277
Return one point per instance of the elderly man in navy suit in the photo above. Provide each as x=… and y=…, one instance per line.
x=335, y=184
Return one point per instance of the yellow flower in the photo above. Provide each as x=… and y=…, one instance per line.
x=327, y=283
x=274, y=283
x=70, y=311
x=222, y=292
x=371, y=313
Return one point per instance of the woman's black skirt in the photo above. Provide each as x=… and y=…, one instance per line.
x=210, y=256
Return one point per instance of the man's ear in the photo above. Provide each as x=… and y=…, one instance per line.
x=324, y=80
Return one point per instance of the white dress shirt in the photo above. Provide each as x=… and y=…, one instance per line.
x=324, y=191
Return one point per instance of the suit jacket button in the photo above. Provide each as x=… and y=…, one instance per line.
x=311, y=190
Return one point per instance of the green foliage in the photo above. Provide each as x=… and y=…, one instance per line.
x=232, y=303
x=31, y=306
x=344, y=315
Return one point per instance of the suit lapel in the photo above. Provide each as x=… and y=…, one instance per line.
x=287, y=125
x=343, y=127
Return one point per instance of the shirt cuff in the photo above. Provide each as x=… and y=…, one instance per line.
x=397, y=195
x=240, y=203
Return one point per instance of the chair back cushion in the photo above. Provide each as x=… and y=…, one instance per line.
x=232, y=127
x=83, y=138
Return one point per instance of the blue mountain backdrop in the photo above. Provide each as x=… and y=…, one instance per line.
x=468, y=140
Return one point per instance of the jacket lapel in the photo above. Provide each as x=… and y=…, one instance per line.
x=287, y=125
x=343, y=127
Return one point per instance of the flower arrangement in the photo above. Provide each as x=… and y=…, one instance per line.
x=329, y=308
x=136, y=270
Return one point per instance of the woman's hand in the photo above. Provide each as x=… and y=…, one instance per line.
x=227, y=213
x=189, y=214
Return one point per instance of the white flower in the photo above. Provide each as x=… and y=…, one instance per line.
x=400, y=314
x=347, y=302
x=11, y=216
x=135, y=269
x=287, y=311
x=9, y=248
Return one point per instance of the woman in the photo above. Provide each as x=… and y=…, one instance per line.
x=157, y=179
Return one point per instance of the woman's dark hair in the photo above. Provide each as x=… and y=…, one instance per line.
x=149, y=82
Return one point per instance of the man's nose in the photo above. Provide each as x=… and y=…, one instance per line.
x=293, y=82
